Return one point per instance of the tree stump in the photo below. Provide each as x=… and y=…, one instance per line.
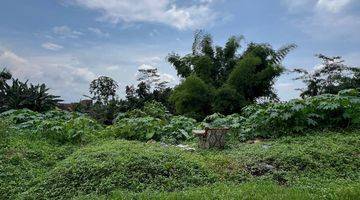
x=211, y=137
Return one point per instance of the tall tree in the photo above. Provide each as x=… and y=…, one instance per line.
x=242, y=78
x=210, y=63
x=151, y=87
x=256, y=71
x=332, y=77
x=151, y=78
x=103, y=89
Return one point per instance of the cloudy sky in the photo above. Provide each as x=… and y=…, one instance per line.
x=68, y=43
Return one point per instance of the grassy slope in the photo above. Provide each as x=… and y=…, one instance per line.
x=306, y=167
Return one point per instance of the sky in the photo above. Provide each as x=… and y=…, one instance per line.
x=68, y=43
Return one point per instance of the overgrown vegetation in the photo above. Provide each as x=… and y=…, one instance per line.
x=293, y=166
x=140, y=148
x=18, y=95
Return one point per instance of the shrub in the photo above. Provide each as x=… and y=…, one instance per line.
x=298, y=116
x=76, y=130
x=140, y=128
x=57, y=126
x=178, y=129
x=135, y=113
x=155, y=109
x=218, y=120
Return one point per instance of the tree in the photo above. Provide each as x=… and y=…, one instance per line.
x=151, y=78
x=332, y=77
x=192, y=98
x=211, y=64
x=227, y=100
x=255, y=73
x=4, y=76
x=151, y=87
x=251, y=74
x=103, y=89
x=19, y=95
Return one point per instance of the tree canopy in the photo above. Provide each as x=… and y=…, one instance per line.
x=241, y=77
x=332, y=77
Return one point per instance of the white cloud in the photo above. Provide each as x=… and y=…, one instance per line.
x=98, y=32
x=51, y=46
x=66, y=32
x=163, y=76
x=112, y=68
x=157, y=11
x=325, y=19
x=317, y=5
x=146, y=67
x=61, y=73
x=8, y=58
x=333, y=5
x=167, y=77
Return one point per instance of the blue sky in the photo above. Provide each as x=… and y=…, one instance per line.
x=68, y=43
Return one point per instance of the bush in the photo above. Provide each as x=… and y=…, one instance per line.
x=217, y=120
x=178, y=129
x=56, y=126
x=76, y=130
x=299, y=116
x=141, y=128
x=156, y=109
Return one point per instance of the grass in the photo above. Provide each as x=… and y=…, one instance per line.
x=319, y=165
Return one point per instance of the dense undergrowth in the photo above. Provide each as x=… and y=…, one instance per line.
x=321, y=164
x=303, y=149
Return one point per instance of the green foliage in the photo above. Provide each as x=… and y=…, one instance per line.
x=76, y=130
x=4, y=131
x=192, y=98
x=33, y=168
x=331, y=78
x=152, y=122
x=298, y=116
x=115, y=168
x=151, y=87
x=255, y=190
x=18, y=95
x=218, y=120
x=21, y=95
x=155, y=109
x=55, y=126
x=240, y=78
x=24, y=160
x=103, y=89
x=254, y=76
x=178, y=129
x=126, y=165
x=103, y=113
x=227, y=100
x=140, y=128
